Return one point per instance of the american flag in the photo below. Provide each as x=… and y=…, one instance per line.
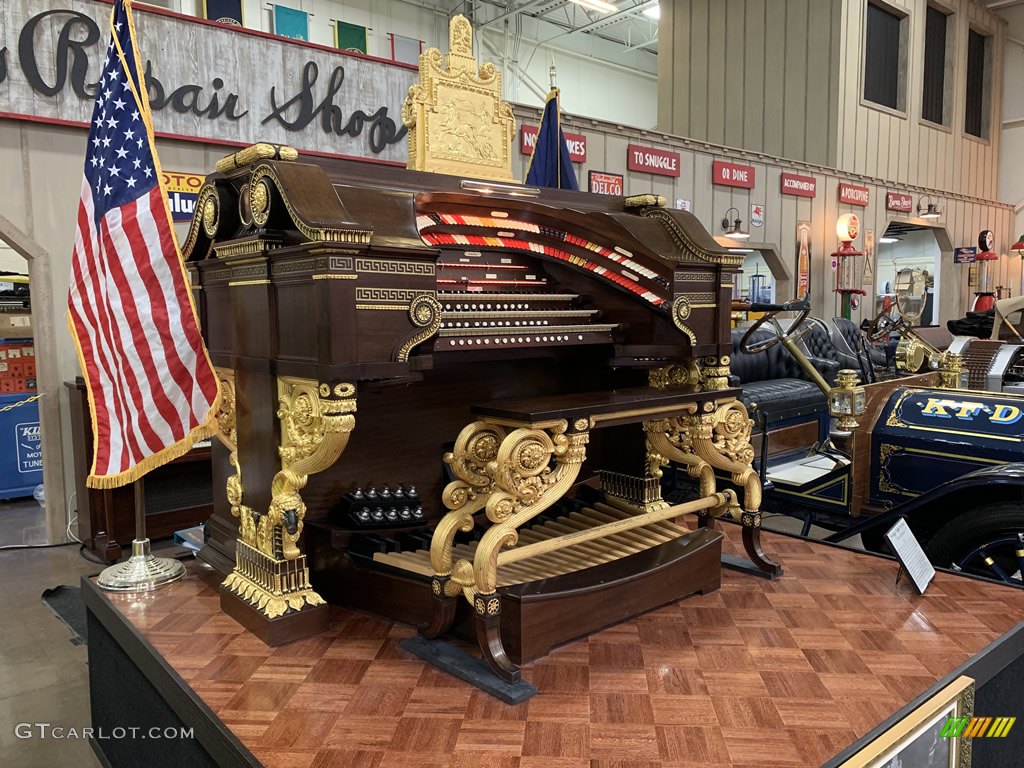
x=152, y=389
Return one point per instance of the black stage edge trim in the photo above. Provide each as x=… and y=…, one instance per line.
x=984, y=666
x=743, y=565
x=222, y=746
x=474, y=671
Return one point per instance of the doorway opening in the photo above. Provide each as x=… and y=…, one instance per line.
x=907, y=273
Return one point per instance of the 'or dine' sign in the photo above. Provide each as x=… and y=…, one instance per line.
x=732, y=174
x=661, y=162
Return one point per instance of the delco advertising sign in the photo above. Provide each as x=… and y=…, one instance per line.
x=853, y=194
x=602, y=183
x=900, y=202
x=661, y=162
x=924, y=434
x=732, y=174
x=182, y=191
x=576, y=142
x=798, y=185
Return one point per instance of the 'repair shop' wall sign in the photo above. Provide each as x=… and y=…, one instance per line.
x=576, y=142
x=732, y=174
x=854, y=194
x=603, y=183
x=236, y=86
x=661, y=162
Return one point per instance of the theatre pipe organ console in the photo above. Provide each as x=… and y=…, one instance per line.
x=460, y=396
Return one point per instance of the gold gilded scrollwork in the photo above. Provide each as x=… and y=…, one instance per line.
x=514, y=477
x=425, y=314
x=457, y=120
x=675, y=375
x=715, y=372
x=316, y=422
x=227, y=433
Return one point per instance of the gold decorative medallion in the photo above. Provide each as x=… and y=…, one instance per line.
x=211, y=215
x=259, y=201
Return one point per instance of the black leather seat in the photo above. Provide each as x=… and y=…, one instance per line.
x=775, y=381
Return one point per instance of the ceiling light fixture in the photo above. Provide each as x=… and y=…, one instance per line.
x=596, y=5
x=885, y=239
x=733, y=230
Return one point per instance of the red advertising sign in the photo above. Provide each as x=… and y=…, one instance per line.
x=652, y=160
x=732, y=174
x=853, y=194
x=602, y=183
x=576, y=142
x=801, y=186
x=899, y=201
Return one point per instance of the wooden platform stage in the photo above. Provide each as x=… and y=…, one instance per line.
x=762, y=673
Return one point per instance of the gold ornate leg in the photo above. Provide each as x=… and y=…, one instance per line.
x=722, y=438
x=476, y=446
x=271, y=574
x=670, y=440
x=525, y=485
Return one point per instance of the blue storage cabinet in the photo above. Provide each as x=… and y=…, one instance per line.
x=21, y=450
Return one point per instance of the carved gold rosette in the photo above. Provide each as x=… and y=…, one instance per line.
x=316, y=422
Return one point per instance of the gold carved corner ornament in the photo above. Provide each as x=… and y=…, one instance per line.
x=227, y=433
x=425, y=314
x=317, y=420
x=458, y=123
x=685, y=375
x=715, y=372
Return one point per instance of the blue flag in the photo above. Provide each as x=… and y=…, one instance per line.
x=551, y=165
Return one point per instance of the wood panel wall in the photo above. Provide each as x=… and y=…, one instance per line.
x=963, y=217
x=901, y=147
x=757, y=74
x=784, y=77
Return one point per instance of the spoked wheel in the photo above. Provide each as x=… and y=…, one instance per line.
x=987, y=541
x=882, y=326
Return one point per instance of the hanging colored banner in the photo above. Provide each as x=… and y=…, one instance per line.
x=756, y=215
x=349, y=37
x=289, y=22
x=602, y=183
x=732, y=174
x=224, y=11
x=405, y=49
x=803, y=258
x=182, y=191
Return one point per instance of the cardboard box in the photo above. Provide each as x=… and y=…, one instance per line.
x=15, y=325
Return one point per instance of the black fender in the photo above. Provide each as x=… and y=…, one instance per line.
x=927, y=513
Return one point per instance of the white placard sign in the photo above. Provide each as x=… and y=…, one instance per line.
x=911, y=555
x=205, y=80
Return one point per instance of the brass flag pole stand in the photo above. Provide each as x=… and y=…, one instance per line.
x=142, y=571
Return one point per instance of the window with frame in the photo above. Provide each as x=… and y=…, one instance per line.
x=935, y=101
x=976, y=119
x=882, y=55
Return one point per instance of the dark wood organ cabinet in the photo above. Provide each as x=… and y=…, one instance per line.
x=178, y=495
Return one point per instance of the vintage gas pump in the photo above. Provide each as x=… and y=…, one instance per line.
x=850, y=264
x=985, y=299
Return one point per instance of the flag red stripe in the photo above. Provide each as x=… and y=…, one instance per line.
x=138, y=389
x=97, y=320
x=157, y=314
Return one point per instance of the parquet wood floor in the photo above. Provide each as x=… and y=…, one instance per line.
x=783, y=673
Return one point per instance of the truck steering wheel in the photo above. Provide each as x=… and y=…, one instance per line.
x=883, y=325
x=803, y=306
